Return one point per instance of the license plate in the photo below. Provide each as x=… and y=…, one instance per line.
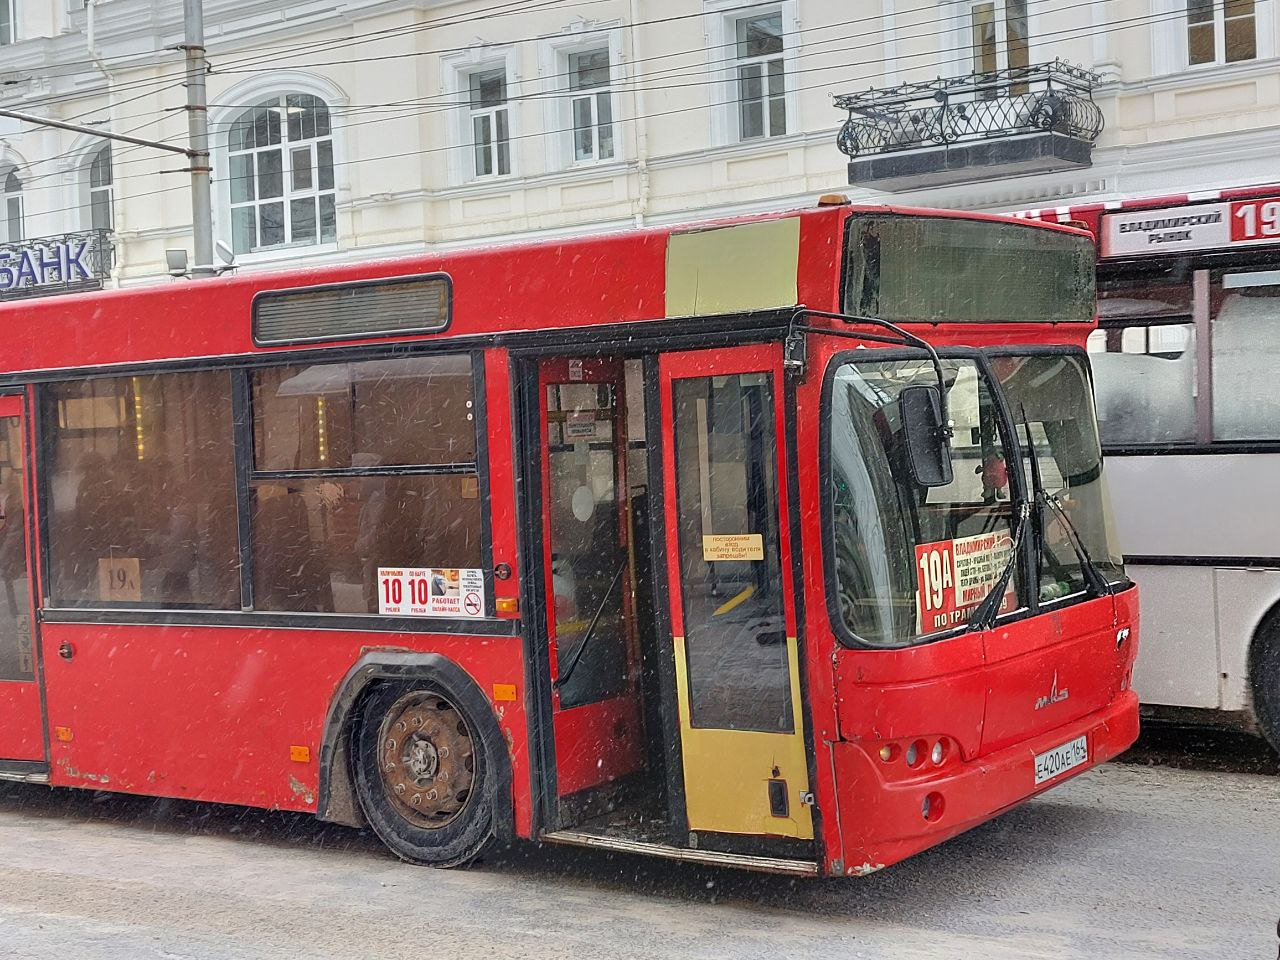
x=1056, y=762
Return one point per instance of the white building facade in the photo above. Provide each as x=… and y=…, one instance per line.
x=365, y=128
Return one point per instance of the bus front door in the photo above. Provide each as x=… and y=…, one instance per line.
x=732, y=611
x=589, y=566
x=21, y=724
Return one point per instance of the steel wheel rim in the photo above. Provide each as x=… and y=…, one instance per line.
x=426, y=759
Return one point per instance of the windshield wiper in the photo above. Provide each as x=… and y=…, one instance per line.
x=1093, y=577
x=984, y=615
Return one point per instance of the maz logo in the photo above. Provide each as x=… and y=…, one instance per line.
x=1055, y=695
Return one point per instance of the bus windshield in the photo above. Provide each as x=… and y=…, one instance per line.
x=895, y=544
x=1049, y=396
x=910, y=562
x=948, y=270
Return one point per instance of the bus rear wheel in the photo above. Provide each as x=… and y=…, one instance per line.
x=421, y=773
x=1264, y=673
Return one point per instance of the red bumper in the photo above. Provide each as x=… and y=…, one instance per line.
x=881, y=818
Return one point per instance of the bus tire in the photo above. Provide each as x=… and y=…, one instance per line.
x=1264, y=676
x=425, y=766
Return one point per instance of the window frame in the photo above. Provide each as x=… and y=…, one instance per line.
x=10, y=35
x=764, y=63
x=1026, y=572
x=242, y=442
x=277, y=104
x=1171, y=57
x=722, y=66
x=966, y=38
x=592, y=96
x=1202, y=273
x=14, y=209
x=1217, y=24
x=106, y=191
x=456, y=69
x=500, y=111
x=554, y=52
x=44, y=410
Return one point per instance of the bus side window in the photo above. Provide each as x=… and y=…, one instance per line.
x=142, y=490
x=1245, y=349
x=1145, y=382
x=407, y=497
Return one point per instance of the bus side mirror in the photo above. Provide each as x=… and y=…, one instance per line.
x=928, y=449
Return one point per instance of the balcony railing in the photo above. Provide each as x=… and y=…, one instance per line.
x=1053, y=100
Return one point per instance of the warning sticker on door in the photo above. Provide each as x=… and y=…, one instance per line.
x=955, y=575
x=733, y=546
x=431, y=592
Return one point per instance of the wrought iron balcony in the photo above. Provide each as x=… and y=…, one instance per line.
x=976, y=127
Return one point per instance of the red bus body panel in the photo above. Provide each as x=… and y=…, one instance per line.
x=211, y=713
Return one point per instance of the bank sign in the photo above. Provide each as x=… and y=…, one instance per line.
x=1201, y=226
x=47, y=265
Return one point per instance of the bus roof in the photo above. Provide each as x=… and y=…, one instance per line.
x=1159, y=224
x=510, y=288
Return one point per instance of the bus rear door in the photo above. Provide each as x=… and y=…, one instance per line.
x=732, y=609
x=589, y=568
x=21, y=722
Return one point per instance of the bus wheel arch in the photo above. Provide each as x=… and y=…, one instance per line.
x=348, y=791
x=1264, y=675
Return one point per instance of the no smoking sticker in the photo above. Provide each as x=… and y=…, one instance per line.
x=431, y=592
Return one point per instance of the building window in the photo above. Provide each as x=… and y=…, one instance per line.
x=100, y=189
x=591, y=105
x=8, y=20
x=1221, y=31
x=13, y=216
x=761, y=77
x=490, y=127
x=999, y=38
x=282, y=184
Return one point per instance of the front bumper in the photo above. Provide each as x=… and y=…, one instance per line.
x=881, y=821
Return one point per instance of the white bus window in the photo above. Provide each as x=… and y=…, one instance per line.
x=1245, y=347
x=1145, y=383
x=1144, y=298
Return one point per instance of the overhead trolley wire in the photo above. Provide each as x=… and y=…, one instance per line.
x=1072, y=33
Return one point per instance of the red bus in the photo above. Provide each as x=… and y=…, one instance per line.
x=682, y=541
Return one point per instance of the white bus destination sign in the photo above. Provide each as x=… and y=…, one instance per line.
x=74, y=261
x=1200, y=226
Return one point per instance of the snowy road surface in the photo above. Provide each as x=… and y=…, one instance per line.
x=1126, y=861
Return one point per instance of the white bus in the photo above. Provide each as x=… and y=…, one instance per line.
x=1187, y=369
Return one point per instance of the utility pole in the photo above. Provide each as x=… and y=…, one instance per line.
x=198, y=139
x=197, y=149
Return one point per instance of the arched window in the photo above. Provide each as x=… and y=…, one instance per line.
x=12, y=196
x=100, y=188
x=281, y=174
